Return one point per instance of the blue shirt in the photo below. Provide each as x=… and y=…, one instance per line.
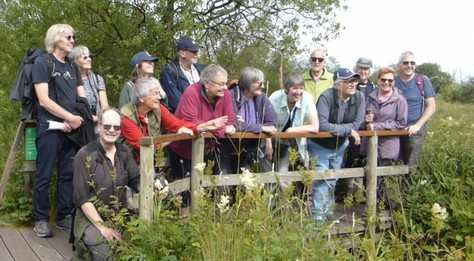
x=301, y=114
x=412, y=94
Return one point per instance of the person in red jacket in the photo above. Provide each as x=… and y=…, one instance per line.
x=146, y=116
x=204, y=101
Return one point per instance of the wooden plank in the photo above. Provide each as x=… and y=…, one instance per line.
x=17, y=246
x=179, y=186
x=371, y=185
x=147, y=173
x=278, y=135
x=42, y=248
x=7, y=170
x=60, y=242
x=393, y=170
x=4, y=253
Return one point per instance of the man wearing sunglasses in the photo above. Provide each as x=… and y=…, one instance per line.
x=420, y=95
x=317, y=78
x=181, y=72
x=341, y=112
x=102, y=170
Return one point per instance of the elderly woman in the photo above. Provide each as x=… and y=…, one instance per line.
x=255, y=113
x=386, y=110
x=296, y=112
x=94, y=85
x=204, y=102
x=146, y=116
x=143, y=67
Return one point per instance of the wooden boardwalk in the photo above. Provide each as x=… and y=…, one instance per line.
x=21, y=244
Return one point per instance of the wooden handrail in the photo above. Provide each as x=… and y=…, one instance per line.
x=281, y=135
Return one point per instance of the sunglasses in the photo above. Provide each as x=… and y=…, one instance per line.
x=317, y=59
x=110, y=126
x=70, y=37
x=85, y=57
x=352, y=81
x=386, y=80
x=408, y=62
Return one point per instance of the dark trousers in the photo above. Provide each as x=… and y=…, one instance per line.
x=412, y=146
x=54, y=150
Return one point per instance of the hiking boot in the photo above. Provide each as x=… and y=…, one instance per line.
x=42, y=229
x=65, y=223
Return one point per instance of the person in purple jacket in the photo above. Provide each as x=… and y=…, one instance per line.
x=255, y=113
x=386, y=110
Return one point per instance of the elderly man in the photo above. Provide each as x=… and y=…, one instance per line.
x=57, y=84
x=341, y=112
x=420, y=95
x=363, y=68
x=98, y=194
x=181, y=72
x=317, y=78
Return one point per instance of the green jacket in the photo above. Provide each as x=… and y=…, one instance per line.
x=315, y=88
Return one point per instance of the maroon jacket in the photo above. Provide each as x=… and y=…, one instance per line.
x=195, y=107
x=388, y=115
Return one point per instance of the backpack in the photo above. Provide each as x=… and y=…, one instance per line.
x=23, y=89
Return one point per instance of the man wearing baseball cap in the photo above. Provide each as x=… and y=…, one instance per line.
x=181, y=72
x=341, y=112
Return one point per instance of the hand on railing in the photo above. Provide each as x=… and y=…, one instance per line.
x=229, y=129
x=213, y=124
x=269, y=129
x=356, y=137
x=413, y=129
x=184, y=130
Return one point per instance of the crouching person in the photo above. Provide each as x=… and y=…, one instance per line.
x=102, y=170
x=341, y=112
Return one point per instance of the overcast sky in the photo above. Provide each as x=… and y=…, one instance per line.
x=436, y=31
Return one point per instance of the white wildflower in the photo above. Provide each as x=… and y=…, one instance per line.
x=223, y=204
x=450, y=118
x=161, y=186
x=248, y=179
x=423, y=182
x=200, y=167
x=430, y=133
x=439, y=212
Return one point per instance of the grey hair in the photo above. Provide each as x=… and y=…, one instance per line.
x=210, y=72
x=77, y=52
x=293, y=79
x=143, y=87
x=250, y=75
x=101, y=114
x=53, y=35
x=404, y=55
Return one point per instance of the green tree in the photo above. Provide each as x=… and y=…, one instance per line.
x=439, y=78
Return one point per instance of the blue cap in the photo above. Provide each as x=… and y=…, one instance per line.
x=187, y=44
x=344, y=74
x=140, y=57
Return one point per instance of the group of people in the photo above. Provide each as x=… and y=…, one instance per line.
x=192, y=98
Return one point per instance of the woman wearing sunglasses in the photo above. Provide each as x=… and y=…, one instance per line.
x=386, y=110
x=93, y=83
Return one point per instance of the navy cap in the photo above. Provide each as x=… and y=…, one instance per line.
x=140, y=57
x=363, y=62
x=344, y=74
x=187, y=44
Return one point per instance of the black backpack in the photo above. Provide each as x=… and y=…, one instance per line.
x=23, y=89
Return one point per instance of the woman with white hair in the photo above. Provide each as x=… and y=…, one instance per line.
x=146, y=116
x=94, y=85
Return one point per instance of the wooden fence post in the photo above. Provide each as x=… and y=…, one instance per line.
x=371, y=189
x=197, y=157
x=147, y=172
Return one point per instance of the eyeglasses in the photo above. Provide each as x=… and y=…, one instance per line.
x=85, y=57
x=317, y=59
x=409, y=62
x=70, y=37
x=352, y=81
x=219, y=83
x=386, y=80
x=110, y=126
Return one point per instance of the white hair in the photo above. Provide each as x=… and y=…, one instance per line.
x=53, y=35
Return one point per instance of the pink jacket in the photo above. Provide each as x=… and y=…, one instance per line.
x=195, y=107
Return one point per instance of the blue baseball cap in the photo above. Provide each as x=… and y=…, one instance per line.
x=187, y=44
x=344, y=74
x=140, y=57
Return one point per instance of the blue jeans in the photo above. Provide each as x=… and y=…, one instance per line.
x=323, y=190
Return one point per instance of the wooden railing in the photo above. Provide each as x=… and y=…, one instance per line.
x=197, y=180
